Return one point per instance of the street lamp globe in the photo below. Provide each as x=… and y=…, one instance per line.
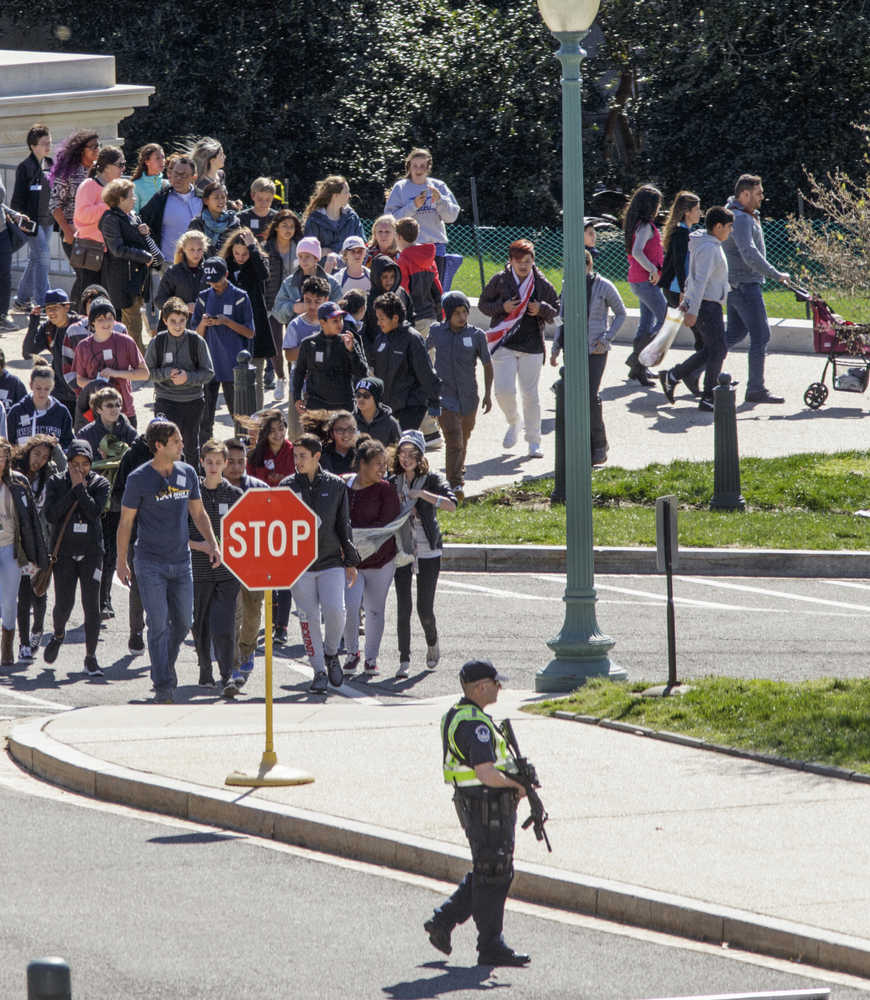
x=568, y=15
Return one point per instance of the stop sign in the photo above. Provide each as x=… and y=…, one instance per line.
x=268, y=538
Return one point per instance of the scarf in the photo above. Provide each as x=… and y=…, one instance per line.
x=215, y=227
x=498, y=334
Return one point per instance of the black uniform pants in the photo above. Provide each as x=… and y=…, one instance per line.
x=214, y=624
x=111, y=519
x=27, y=600
x=206, y=425
x=488, y=817
x=87, y=572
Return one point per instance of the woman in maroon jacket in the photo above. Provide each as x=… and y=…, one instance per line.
x=373, y=504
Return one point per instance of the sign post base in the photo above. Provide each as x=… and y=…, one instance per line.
x=270, y=775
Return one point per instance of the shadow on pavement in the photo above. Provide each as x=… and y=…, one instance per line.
x=452, y=979
x=183, y=839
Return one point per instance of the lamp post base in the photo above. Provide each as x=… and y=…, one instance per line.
x=578, y=658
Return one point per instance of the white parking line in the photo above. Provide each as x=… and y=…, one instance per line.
x=492, y=590
x=33, y=700
x=745, y=588
x=847, y=583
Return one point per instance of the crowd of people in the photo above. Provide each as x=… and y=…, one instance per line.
x=371, y=349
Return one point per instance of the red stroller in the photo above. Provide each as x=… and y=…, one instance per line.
x=846, y=346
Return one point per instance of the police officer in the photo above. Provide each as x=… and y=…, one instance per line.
x=477, y=764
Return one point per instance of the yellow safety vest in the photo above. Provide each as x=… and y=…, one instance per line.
x=457, y=771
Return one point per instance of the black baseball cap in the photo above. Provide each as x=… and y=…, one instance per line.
x=479, y=670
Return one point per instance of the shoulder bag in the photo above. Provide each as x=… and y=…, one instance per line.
x=86, y=254
x=40, y=580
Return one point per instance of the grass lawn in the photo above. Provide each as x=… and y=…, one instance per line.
x=823, y=721
x=797, y=502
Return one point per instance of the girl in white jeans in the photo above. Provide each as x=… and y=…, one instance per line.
x=373, y=504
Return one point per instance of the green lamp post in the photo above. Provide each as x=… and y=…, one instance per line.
x=580, y=650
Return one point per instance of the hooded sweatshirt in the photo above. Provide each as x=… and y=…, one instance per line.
x=371, y=330
x=745, y=250
x=707, y=280
x=420, y=279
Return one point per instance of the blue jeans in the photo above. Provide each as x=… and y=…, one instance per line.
x=747, y=314
x=166, y=590
x=653, y=309
x=34, y=282
x=5, y=272
x=10, y=576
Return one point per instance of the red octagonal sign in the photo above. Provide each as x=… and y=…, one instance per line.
x=269, y=538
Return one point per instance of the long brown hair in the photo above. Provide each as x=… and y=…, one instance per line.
x=283, y=215
x=397, y=470
x=258, y=454
x=6, y=448
x=145, y=153
x=323, y=192
x=684, y=202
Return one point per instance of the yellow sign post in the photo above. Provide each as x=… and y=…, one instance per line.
x=270, y=771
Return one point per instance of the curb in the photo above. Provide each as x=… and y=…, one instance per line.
x=640, y=561
x=824, y=770
x=37, y=752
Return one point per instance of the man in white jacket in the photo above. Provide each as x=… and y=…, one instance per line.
x=703, y=298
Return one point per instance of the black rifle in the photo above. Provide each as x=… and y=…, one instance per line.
x=527, y=776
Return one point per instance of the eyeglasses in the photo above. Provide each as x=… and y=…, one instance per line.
x=121, y=163
x=362, y=395
x=344, y=430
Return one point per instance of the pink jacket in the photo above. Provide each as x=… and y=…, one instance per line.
x=88, y=210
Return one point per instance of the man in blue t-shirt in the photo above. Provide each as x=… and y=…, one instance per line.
x=158, y=496
x=224, y=317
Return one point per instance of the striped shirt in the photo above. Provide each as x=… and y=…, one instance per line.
x=216, y=503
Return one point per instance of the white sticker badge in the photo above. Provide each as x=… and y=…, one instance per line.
x=228, y=310
x=223, y=508
x=108, y=354
x=80, y=528
x=181, y=480
x=466, y=341
x=167, y=356
x=318, y=357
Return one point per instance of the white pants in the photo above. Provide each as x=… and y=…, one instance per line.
x=314, y=593
x=369, y=589
x=508, y=367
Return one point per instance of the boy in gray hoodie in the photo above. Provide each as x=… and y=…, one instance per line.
x=705, y=293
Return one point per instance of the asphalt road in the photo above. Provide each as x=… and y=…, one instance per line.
x=777, y=628
x=143, y=907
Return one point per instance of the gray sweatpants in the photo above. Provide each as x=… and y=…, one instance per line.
x=315, y=593
x=369, y=589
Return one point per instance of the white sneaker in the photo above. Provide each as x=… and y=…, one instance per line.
x=25, y=653
x=280, y=388
x=433, y=655
x=404, y=669
x=535, y=450
x=510, y=438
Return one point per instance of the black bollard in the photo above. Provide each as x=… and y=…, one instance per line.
x=726, y=461
x=48, y=979
x=244, y=389
x=558, y=494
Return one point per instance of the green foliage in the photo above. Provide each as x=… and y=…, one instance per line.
x=820, y=720
x=303, y=89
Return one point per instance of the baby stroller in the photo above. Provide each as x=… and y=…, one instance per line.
x=846, y=346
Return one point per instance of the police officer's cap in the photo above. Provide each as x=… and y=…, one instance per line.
x=479, y=670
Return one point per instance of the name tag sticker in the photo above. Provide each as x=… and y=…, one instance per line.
x=269, y=463
x=466, y=341
x=181, y=480
x=223, y=508
x=25, y=418
x=107, y=355
x=255, y=223
x=35, y=187
x=79, y=528
x=167, y=356
x=228, y=310
x=318, y=357
x=4, y=393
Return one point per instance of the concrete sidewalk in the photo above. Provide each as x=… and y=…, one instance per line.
x=644, y=832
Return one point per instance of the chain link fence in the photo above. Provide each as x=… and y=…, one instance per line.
x=492, y=244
